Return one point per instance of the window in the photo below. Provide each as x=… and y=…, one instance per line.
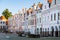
x=31, y=22
x=40, y=29
x=59, y=28
x=26, y=18
x=1, y=27
x=48, y=29
x=24, y=14
x=55, y=1
x=40, y=20
x=45, y=29
x=27, y=13
x=51, y=17
x=56, y=28
x=58, y=16
x=3, y=22
x=54, y=16
x=20, y=14
x=37, y=30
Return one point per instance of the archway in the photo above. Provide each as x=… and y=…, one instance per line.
x=52, y=33
x=41, y=32
x=56, y=32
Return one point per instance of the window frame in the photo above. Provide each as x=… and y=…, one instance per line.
x=58, y=16
x=54, y=16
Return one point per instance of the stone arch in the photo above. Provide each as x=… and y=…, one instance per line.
x=56, y=32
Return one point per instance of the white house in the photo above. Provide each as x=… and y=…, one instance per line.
x=16, y=22
x=48, y=20
x=42, y=19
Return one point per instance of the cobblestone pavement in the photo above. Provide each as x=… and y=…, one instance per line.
x=4, y=36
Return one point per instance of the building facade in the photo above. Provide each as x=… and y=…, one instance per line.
x=3, y=24
x=39, y=19
x=48, y=20
x=16, y=22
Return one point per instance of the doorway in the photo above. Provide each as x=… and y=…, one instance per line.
x=56, y=32
x=52, y=33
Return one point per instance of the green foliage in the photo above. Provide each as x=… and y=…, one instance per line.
x=6, y=13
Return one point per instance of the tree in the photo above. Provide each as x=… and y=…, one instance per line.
x=6, y=13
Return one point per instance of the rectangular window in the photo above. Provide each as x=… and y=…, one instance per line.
x=1, y=22
x=51, y=17
x=55, y=2
x=20, y=15
x=31, y=22
x=58, y=16
x=27, y=13
x=40, y=20
x=54, y=16
x=37, y=30
x=59, y=28
x=24, y=14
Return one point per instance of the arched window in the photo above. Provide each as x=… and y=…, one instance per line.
x=40, y=20
x=58, y=16
x=40, y=29
x=51, y=17
x=52, y=28
x=56, y=28
x=59, y=28
x=54, y=16
x=45, y=29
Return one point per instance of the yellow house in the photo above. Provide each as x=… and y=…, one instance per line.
x=3, y=23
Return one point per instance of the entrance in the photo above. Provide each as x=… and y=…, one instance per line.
x=52, y=32
x=56, y=32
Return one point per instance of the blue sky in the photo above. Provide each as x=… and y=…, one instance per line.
x=15, y=5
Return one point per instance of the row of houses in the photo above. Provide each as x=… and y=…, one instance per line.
x=41, y=19
x=15, y=22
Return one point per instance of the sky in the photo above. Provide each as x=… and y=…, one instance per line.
x=15, y=5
